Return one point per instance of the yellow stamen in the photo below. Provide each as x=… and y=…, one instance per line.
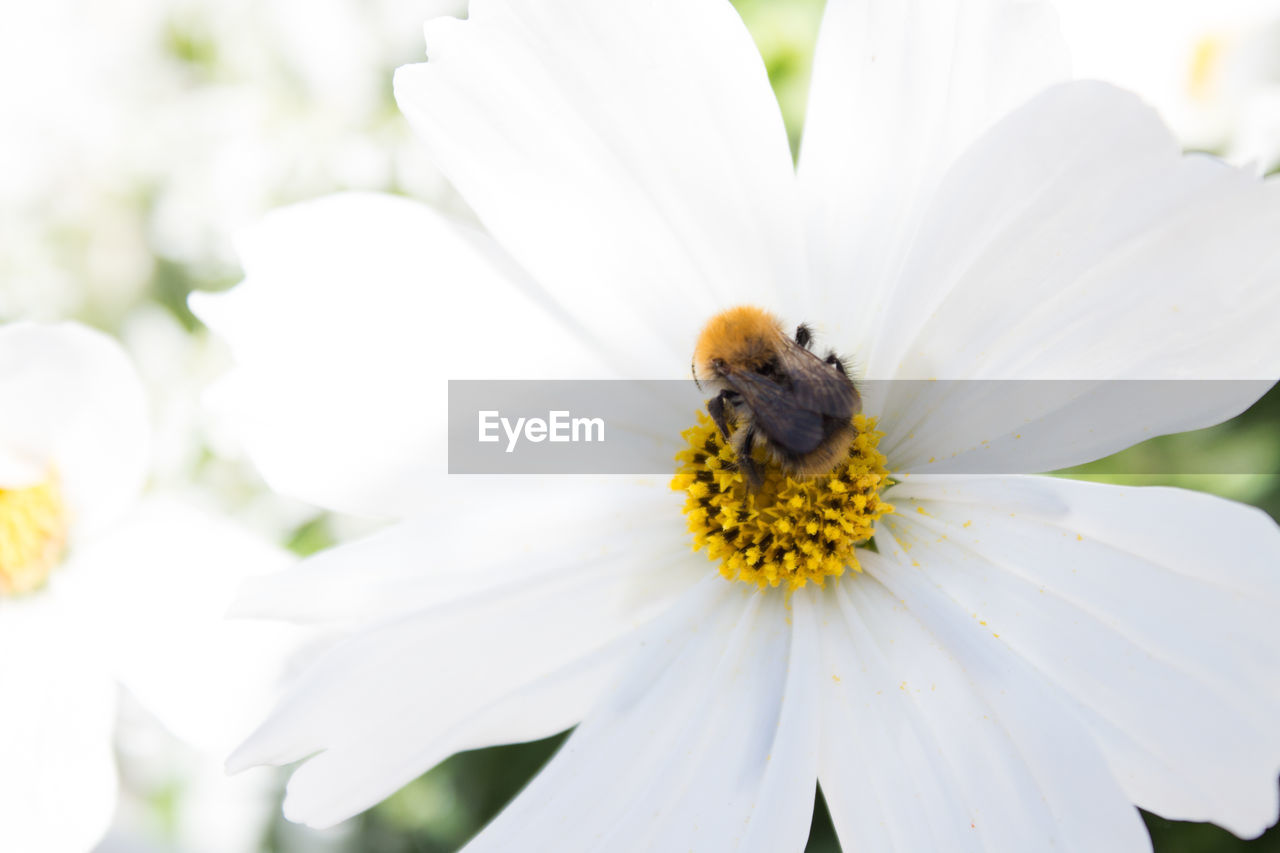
x=790, y=531
x=33, y=531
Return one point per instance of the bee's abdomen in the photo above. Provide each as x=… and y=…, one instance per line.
x=838, y=435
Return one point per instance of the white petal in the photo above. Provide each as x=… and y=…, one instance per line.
x=708, y=742
x=1074, y=242
x=784, y=806
x=355, y=311
x=913, y=758
x=57, y=713
x=516, y=647
x=155, y=592
x=900, y=89
x=1152, y=608
x=1032, y=426
x=1204, y=66
x=1117, y=256
x=73, y=403
x=1073, y=782
x=631, y=156
x=453, y=553
x=17, y=469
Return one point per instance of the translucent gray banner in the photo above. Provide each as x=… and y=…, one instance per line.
x=521, y=427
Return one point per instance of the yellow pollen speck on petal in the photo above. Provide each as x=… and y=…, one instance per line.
x=790, y=532
x=33, y=532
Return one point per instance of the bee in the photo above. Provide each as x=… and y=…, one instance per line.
x=776, y=392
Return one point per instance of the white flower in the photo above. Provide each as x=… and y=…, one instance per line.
x=160, y=127
x=1046, y=655
x=98, y=588
x=205, y=810
x=1209, y=68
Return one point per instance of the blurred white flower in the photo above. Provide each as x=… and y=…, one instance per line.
x=296, y=98
x=1019, y=661
x=1211, y=67
x=157, y=128
x=99, y=588
x=192, y=455
x=179, y=799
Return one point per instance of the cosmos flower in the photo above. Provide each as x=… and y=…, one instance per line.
x=1017, y=662
x=98, y=588
x=1211, y=69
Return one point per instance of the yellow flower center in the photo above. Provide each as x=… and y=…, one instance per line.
x=790, y=531
x=33, y=531
x=1207, y=57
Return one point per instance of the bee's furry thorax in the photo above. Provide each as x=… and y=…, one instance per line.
x=746, y=336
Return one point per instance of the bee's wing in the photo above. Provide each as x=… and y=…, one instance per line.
x=816, y=385
x=777, y=412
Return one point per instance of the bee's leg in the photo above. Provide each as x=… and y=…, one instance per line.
x=749, y=467
x=718, y=407
x=837, y=362
x=804, y=335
